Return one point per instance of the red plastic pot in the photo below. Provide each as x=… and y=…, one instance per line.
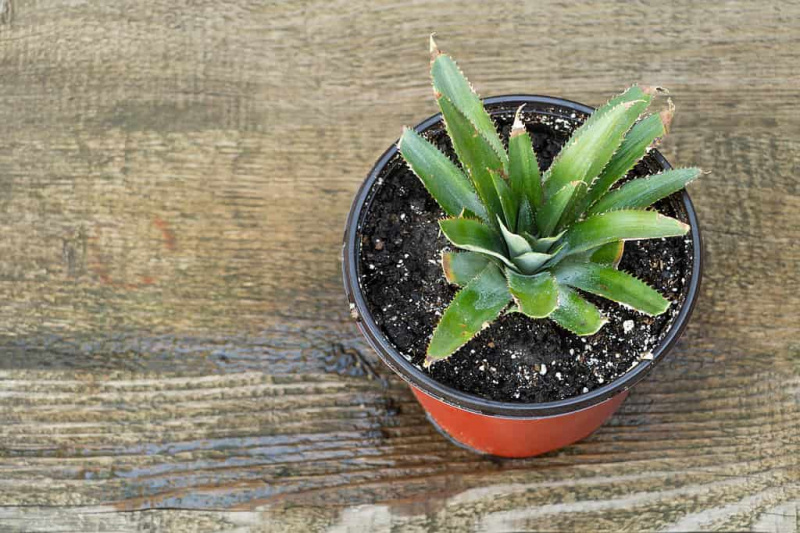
x=509, y=429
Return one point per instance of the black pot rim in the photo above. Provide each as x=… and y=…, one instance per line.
x=469, y=402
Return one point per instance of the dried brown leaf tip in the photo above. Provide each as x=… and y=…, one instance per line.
x=447, y=267
x=518, y=128
x=434, y=50
x=654, y=90
x=400, y=140
x=667, y=114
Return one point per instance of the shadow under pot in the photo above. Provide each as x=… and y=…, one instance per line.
x=522, y=387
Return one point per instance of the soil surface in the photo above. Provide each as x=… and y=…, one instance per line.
x=516, y=359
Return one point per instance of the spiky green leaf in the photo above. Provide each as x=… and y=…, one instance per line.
x=631, y=94
x=442, y=178
x=544, y=244
x=525, y=218
x=535, y=296
x=461, y=267
x=633, y=148
x=592, y=145
x=517, y=244
x=466, y=213
x=475, y=236
x=476, y=155
x=530, y=262
x=644, y=192
x=523, y=169
x=614, y=285
x=550, y=213
x=449, y=81
x=575, y=314
x=508, y=201
x=607, y=254
x=622, y=225
x=474, y=307
x=574, y=208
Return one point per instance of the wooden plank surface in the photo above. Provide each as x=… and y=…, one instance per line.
x=175, y=349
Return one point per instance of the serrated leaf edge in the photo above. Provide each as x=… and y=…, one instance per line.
x=499, y=150
x=589, y=211
x=573, y=140
x=603, y=321
x=428, y=360
x=621, y=304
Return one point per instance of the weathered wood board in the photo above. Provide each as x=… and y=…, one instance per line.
x=175, y=349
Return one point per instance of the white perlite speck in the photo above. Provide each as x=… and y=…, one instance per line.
x=543, y=370
x=627, y=326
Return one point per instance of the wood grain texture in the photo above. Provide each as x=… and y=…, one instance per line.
x=175, y=348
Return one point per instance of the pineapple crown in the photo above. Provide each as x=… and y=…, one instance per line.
x=532, y=240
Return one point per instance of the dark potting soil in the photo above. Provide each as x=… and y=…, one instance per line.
x=516, y=359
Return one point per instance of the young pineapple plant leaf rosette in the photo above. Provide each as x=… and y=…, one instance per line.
x=532, y=242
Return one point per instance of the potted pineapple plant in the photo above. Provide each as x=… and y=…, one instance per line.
x=523, y=261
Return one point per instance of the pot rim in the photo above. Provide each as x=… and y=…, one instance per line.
x=469, y=402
